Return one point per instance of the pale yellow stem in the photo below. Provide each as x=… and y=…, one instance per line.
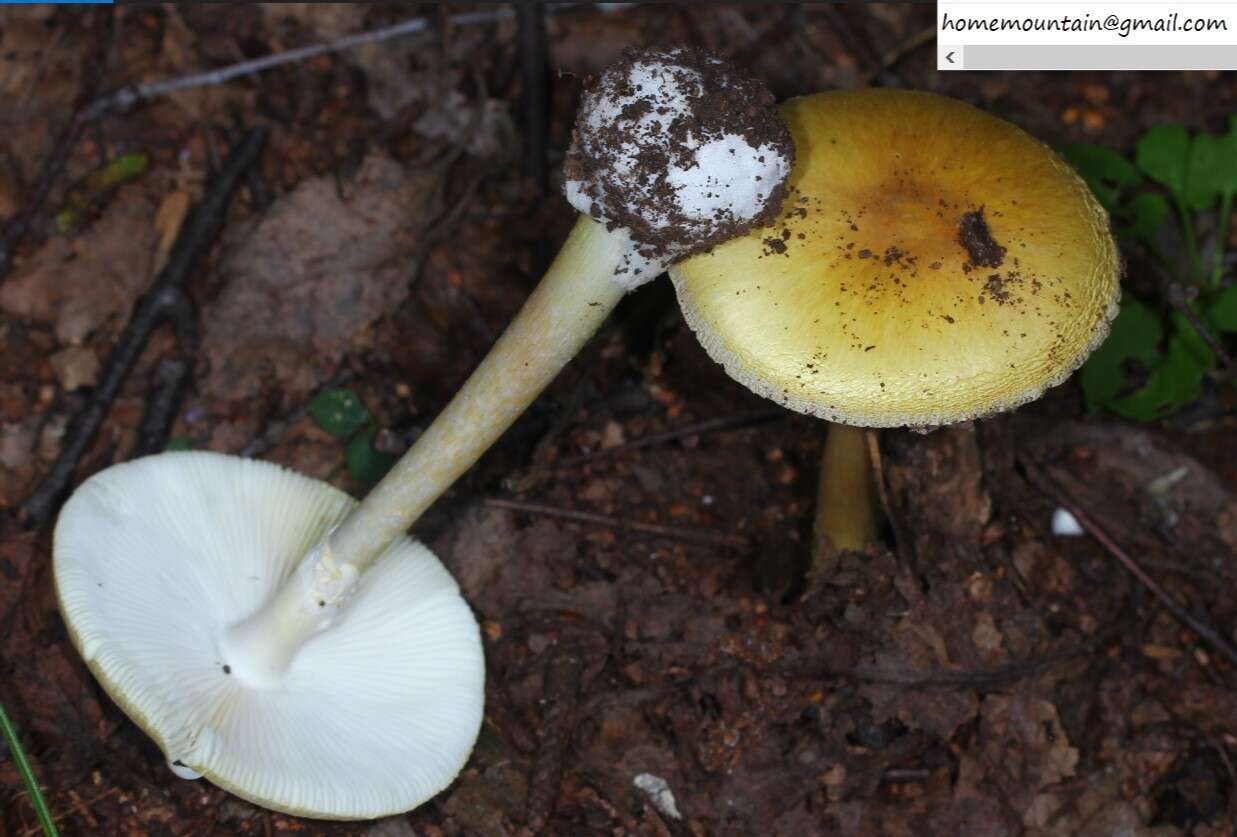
x=566, y=309
x=846, y=515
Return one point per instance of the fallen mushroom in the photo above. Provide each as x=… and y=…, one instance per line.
x=297, y=648
x=159, y=562
x=932, y=264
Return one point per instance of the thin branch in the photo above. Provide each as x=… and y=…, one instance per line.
x=714, y=425
x=169, y=383
x=165, y=298
x=82, y=808
x=559, y=697
x=127, y=97
x=920, y=39
x=697, y=536
x=963, y=678
x=171, y=380
x=536, y=83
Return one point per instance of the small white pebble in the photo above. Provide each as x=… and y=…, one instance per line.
x=658, y=791
x=1065, y=524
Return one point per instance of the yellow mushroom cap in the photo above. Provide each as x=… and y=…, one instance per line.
x=933, y=263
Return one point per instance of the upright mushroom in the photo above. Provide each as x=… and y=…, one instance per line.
x=932, y=264
x=297, y=648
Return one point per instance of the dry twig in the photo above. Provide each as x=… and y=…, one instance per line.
x=713, y=425
x=534, y=71
x=561, y=692
x=127, y=97
x=677, y=533
x=962, y=678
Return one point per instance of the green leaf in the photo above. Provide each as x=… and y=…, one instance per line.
x=120, y=169
x=1213, y=168
x=1105, y=171
x=366, y=465
x=338, y=412
x=1175, y=382
x=1163, y=154
x=1135, y=335
x=1142, y=216
x=66, y=221
x=179, y=443
x=85, y=196
x=1222, y=312
x=1192, y=342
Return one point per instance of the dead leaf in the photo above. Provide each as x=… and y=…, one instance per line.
x=327, y=20
x=985, y=635
x=612, y=435
x=935, y=634
x=1025, y=748
x=40, y=73
x=170, y=215
x=180, y=53
x=81, y=282
x=502, y=568
x=390, y=84
x=484, y=128
x=1226, y=524
x=16, y=441
x=1099, y=809
x=917, y=646
x=325, y=262
x=12, y=193
x=76, y=366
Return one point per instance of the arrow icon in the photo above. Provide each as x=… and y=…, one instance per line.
x=949, y=56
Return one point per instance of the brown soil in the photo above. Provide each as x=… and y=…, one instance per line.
x=975, y=237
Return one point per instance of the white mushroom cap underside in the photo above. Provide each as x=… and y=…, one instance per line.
x=156, y=557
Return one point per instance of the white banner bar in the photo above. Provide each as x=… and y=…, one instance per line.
x=1097, y=34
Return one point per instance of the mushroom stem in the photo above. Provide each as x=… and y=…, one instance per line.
x=846, y=516
x=576, y=295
